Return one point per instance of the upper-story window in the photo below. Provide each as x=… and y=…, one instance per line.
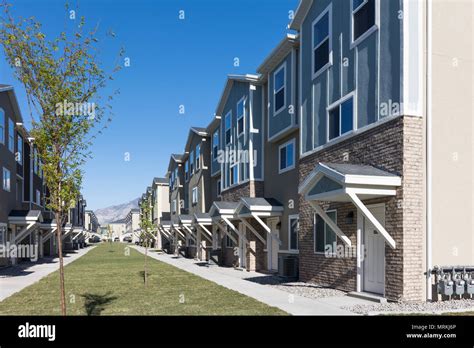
x=19, y=145
x=363, y=18
x=287, y=156
x=240, y=117
x=11, y=135
x=176, y=176
x=6, y=179
x=173, y=206
x=322, y=46
x=228, y=128
x=215, y=144
x=279, y=89
x=198, y=157
x=341, y=117
x=191, y=162
x=195, y=195
x=186, y=170
x=2, y=126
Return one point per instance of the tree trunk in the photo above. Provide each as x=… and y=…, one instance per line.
x=61, y=264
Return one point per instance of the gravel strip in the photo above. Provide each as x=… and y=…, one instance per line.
x=418, y=307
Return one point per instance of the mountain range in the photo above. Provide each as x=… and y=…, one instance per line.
x=115, y=212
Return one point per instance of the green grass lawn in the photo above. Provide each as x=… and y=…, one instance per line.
x=108, y=282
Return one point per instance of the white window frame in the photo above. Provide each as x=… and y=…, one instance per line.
x=325, y=226
x=215, y=135
x=2, y=126
x=11, y=135
x=241, y=100
x=186, y=170
x=369, y=31
x=313, y=48
x=292, y=141
x=191, y=163
x=4, y=186
x=231, y=167
x=173, y=206
x=276, y=112
x=336, y=104
x=229, y=114
x=292, y=217
x=195, y=195
x=198, y=156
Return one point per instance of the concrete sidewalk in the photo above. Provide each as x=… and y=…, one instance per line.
x=16, y=278
x=238, y=281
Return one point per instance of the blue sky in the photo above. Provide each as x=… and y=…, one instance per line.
x=173, y=62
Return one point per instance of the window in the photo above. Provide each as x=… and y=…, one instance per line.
x=287, y=156
x=195, y=195
x=38, y=197
x=2, y=126
x=191, y=162
x=6, y=179
x=228, y=126
x=176, y=182
x=363, y=18
x=219, y=187
x=172, y=179
x=240, y=117
x=11, y=137
x=234, y=173
x=215, y=144
x=19, y=145
x=322, y=46
x=279, y=89
x=293, y=227
x=341, y=119
x=323, y=235
x=186, y=170
x=229, y=243
x=173, y=206
x=198, y=157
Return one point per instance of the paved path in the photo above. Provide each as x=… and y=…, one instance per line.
x=236, y=280
x=16, y=278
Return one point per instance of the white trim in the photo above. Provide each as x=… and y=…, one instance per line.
x=242, y=100
x=371, y=30
x=325, y=229
x=229, y=114
x=336, y=104
x=286, y=169
x=292, y=217
x=284, y=87
x=332, y=224
x=329, y=64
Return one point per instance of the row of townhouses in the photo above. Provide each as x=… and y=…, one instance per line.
x=24, y=219
x=345, y=160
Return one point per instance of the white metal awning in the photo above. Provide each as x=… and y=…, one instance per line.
x=330, y=182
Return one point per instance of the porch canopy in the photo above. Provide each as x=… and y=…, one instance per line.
x=201, y=220
x=49, y=226
x=330, y=182
x=225, y=211
x=165, y=228
x=258, y=208
x=67, y=230
x=29, y=219
x=176, y=227
x=186, y=223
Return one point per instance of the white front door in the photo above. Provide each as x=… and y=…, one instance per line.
x=273, y=246
x=374, y=260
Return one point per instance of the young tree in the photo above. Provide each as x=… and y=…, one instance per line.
x=62, y=77
x=146, y=227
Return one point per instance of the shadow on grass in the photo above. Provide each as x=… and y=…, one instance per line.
x=95, y=303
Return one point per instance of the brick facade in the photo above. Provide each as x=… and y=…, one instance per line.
x=395, y=146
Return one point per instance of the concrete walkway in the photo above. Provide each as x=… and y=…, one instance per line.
x=16, y=278
x=240, y=281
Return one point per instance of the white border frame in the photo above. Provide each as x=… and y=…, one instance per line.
x=335, y=105
x=285, y=144
x=284, y=87
x=329, y=64
x=314, y=231
x=290, y=217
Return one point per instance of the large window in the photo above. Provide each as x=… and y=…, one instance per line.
x=186, y=170
x=191, y=162
x=215, y=144
x=322, y=41
x=228, y=128
x=341, y=118
x=195, y=195
x=293, y=227
x=324, y=236
x=363, y=18
x=11, y=135
x=2, y=126
x=240, y=117
x=198, y=157
x=19, y=145
x=279, y=89
x=6, y=179
x=286, y=156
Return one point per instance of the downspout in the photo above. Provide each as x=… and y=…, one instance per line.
x=429, y=182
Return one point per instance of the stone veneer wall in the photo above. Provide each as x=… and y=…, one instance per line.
x=395, y=146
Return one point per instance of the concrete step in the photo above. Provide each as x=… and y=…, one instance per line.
x=368, y=296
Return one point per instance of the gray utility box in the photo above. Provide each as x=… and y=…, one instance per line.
x=445, y=287
x=459, y=285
